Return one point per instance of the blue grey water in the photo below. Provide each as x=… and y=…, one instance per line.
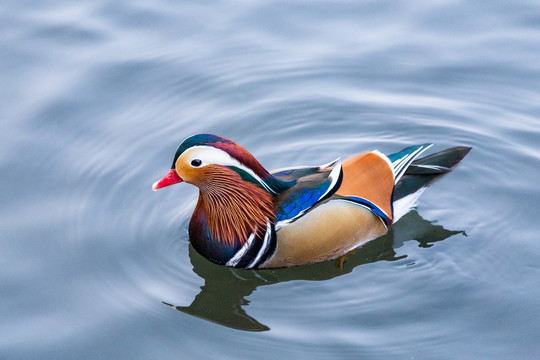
x=96, y=95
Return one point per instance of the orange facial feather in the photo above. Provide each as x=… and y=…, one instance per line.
x=234, y=208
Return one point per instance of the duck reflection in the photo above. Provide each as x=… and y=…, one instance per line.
x=222, y=298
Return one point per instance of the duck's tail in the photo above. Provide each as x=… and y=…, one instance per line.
x=420, y=174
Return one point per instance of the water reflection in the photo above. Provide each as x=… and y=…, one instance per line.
x=222, y=299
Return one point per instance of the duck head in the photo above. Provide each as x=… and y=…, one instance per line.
x=236, y=193
x=198, y=155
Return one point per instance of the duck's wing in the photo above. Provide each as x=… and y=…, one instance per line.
x=313, y=185
x=367, y=179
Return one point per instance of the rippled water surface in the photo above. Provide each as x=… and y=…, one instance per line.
x=96, y=95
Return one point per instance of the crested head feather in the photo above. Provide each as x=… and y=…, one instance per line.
x=234, y=208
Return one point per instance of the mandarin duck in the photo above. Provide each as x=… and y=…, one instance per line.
x=248, y=217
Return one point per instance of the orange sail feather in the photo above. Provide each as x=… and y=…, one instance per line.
x=369, y=176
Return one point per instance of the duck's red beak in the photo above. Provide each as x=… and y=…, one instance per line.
x=169, y=179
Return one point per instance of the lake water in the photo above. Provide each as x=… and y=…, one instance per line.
x=96, y=96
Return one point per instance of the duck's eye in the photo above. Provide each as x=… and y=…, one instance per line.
x=196, y=162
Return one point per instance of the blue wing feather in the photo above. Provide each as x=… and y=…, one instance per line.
x=300, y=200
x=306, y=194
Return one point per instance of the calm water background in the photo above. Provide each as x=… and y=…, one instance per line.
x=96, y=95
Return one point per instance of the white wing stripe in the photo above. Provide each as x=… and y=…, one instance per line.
x=401, y=165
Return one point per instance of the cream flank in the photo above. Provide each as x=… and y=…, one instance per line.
x=327, y=232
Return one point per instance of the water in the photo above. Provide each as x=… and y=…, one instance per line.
x=97, y=95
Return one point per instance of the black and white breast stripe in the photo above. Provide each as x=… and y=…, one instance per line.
x=256, y=250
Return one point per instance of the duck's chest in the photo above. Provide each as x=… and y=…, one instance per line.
x=327, y=232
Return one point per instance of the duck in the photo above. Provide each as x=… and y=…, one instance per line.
x=250, y=218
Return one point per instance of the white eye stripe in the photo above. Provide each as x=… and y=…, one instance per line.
x=210, y=155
